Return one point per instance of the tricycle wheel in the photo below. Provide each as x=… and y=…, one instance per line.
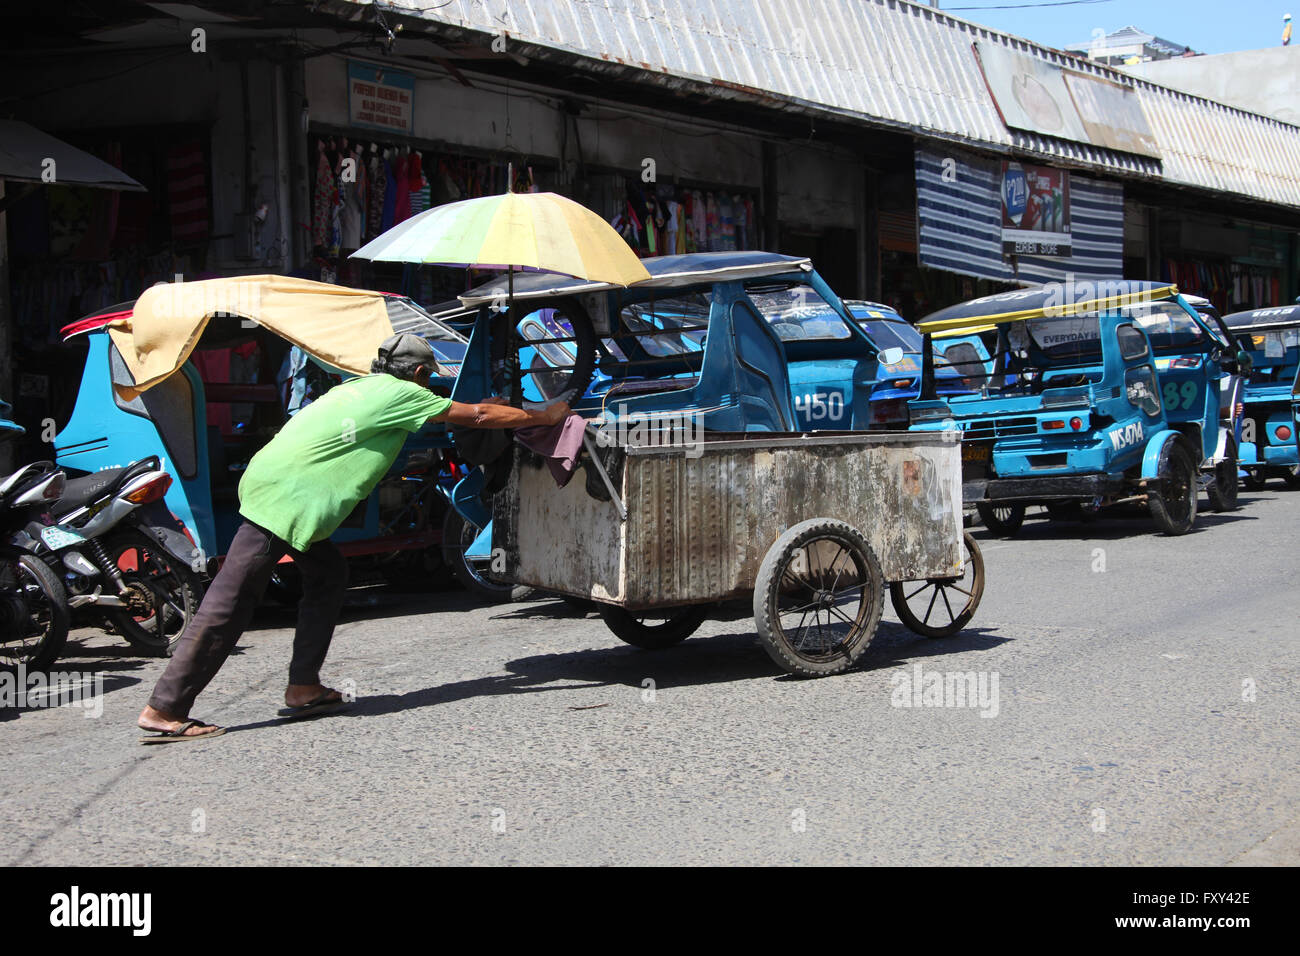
x=1223, y=490
x=474, y=574
x=818, y=597
x=947, y=604
x=1173, y=504
x=1001, y=520
x=656, y=629
x=1292, y=476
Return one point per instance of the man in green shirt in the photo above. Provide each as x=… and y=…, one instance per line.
x=294, y=494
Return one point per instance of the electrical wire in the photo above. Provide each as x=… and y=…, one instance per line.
x=1027, y=6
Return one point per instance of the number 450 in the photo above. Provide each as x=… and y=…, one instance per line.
x=819, y=405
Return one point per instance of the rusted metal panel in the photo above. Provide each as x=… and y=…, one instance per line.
x=699, y=525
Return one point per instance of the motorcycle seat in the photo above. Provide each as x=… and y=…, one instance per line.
x=79, y=492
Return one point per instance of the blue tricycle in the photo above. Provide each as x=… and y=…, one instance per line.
x=1268, y=435
x=1079, y=413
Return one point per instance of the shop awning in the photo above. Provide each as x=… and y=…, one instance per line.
x=26, y=154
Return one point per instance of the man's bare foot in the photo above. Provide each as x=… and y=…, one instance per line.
x=299, y=695
x=163, y=723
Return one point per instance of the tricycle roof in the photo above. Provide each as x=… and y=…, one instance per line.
x=666, y=272
x=339, y=326
x=1258, y=320
x=1051, y=301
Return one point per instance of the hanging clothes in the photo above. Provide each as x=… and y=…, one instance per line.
x=402, y=195
x=389, y=214
x=187, y=192
x=377, y=187
x=323, y=200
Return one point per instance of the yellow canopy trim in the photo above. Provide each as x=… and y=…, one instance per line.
x=979, y=323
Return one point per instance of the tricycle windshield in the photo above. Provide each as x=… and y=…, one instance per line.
x=797, y=312
x=672, y=326
x=1066, y=339
x=890, y=333
x=1168, y=326
x=1078, y=337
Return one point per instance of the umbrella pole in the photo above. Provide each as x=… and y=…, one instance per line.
x=512, y=351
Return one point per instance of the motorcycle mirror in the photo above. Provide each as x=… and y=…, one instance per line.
x=890, y=356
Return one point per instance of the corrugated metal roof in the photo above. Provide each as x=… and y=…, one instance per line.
x=886, y=62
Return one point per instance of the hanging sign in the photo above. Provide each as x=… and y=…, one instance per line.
x=1035, y=210
x=380, y=98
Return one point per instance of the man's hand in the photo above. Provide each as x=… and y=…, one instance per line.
x=555, y=413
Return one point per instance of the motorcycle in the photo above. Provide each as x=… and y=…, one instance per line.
x=123, y=556
x=34, y=616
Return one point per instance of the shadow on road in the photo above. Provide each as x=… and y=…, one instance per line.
x=730, y=658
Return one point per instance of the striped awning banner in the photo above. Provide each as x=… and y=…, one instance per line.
x=959, y=219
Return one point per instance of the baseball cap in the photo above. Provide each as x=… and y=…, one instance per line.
x=408, y=348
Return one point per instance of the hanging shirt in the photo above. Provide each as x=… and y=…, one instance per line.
x=377, y=182
x=390, y=197
x=322, y=201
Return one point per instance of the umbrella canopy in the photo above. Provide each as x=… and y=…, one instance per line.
x=25, y=151
x=536, y=232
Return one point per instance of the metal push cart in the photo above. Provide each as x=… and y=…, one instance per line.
x=812, y=527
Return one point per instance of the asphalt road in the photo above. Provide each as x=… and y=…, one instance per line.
x=1146, y=714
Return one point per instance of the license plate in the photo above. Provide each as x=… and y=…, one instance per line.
x=56, y=538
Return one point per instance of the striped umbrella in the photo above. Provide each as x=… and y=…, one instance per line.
x=536, y=232
x=532, y=232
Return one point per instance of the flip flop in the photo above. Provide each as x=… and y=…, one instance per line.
x=324, y=704
x=172, y=736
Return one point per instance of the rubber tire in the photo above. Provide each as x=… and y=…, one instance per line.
x=898, y=593
x=681, y=624
x=1173, y=458
x=1223, y=490
x=48, y=649
x=584, y=365
x=1007, y=527
x=189, y=588
x=1253, y=481
x=767, y=593
x=453, y=552
x=1292, y=477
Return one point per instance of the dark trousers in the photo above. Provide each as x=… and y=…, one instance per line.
x=228, y=608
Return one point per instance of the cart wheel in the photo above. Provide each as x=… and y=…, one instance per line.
x=818, y=597
x=654, y=630
x=1173, y=506
x=1001, y=520
x=946, y=604
x=1292, y=476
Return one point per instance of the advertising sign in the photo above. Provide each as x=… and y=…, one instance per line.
x=1111, y=114
x=1035, y=210
x=1029, y=93
x=380, y=98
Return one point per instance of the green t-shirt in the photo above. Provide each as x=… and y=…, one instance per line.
x=331, y=455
